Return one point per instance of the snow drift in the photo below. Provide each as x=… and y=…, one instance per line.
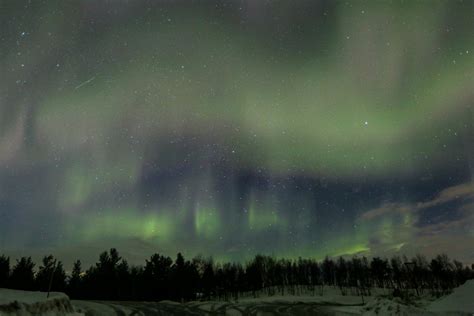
x=24, y=303
x=461, y=300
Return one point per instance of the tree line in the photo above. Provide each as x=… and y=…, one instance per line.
x=162, y=278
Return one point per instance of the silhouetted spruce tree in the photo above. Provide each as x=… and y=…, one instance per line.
x=208, y=278
x=256, y=273
x=23, y=276
x=4, y=270
x=230, y=283
x=75, y=284
x=124, y=281
x=136, y=283
x=51, y=272
x=101, y=281
x=108, y=270
x=191, y=279
x=156, y=277
x=179, y=278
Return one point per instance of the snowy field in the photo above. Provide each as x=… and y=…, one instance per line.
x=22, y=303
x=460, y=302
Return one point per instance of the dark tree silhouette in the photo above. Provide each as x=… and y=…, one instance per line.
x=75, y=284
x=156, y=274
x=179, y=277
x=124, y=280
x=342, y=275
x=328, y=270
x=136, y=283
x=101, y=281
x=380, y=271
x=111, y=278
x=397, y=273
x=4, y=270
x=208, y=278
x=442, y=270
x=185, y=279
x=23, y=276
x=51, y=273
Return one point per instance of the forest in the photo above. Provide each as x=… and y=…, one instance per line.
x=162, y=278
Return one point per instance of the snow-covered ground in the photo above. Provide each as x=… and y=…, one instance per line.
x=462, y=299
x=24, y=303
x=89, y=308
x=460, y=302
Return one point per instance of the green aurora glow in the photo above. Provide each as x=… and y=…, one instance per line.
x=225, y=133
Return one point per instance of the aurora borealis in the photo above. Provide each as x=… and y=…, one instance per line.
x=228, y=128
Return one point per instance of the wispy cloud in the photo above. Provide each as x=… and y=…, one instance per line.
x=462, y=191
x=454, y=235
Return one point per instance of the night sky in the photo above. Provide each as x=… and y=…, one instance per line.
x=230, y=128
